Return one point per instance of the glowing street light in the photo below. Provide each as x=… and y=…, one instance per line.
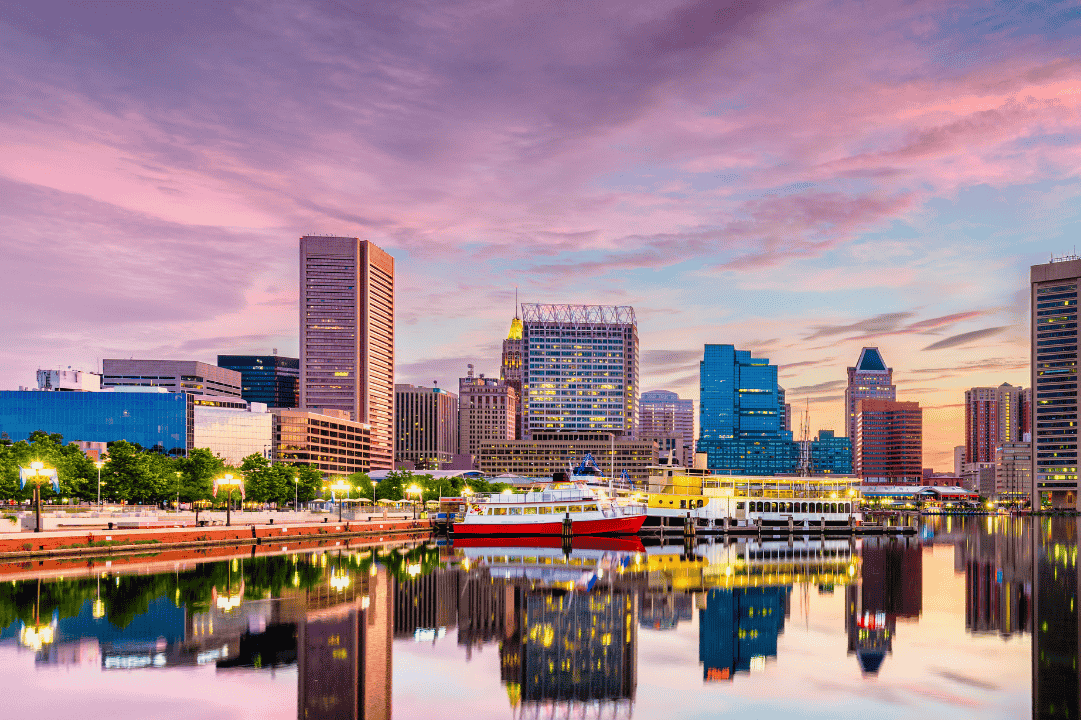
x=229, y=482
x=414, y=489
x=342, y=487
x=99, y=464
x=339, y=580
x=37, y=474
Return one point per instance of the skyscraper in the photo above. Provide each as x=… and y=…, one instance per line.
x=510, y=370
x=487, y=412
x=347, y=335
x=870, y=380
x=580, y=369
x=1054, y=379
x=739, y=414
x=993, y=415
x=662, y=412
x=889, y=441
x=426, y=426
x=270, y=379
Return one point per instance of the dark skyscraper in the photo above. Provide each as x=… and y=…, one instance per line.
x=270, y=379
x=869, y=380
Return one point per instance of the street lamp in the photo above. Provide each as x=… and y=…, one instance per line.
x=229, y=482
x=178, y=474
x=296, y=493
x=344, y=487
x=99, y=464
x=414, y=489
x=37, y=474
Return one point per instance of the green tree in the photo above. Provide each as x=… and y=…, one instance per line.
x=130, y=474
x=362, y=484
x=311, y=483
x=199, y=468
x=259, y=481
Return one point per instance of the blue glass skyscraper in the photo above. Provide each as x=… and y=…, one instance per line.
x=740, y=418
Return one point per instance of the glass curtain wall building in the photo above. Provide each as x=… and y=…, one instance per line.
x=740, y=414
x=580, y=369
x=157, y=419
x=269, y=379
x=831, y=455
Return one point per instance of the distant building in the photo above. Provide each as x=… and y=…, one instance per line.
x=958, y=460
x=1054, y=377
x=273, y=380
x=1013, y=471
x=347, y=335
x=740, y=424
x=869, y=380
x=889, y=441
x=426, y=426
x=580, y=369
x=487, y=412
x=547, y=453
x=662, y=413
x=831, y=455
x=69, y=380
x=993, y=415
x=328, y=441
x=188, y=376
x=511, y=371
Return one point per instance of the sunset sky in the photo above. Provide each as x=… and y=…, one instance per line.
x=799, y=179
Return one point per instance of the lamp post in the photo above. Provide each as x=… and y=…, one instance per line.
x=414, y=489
x=99, y=464
x=229, y=482
x=344, y=487
x=178, y=492
x=37, y=474
x=296, y=494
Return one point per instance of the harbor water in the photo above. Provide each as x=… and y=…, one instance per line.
x=969, y=618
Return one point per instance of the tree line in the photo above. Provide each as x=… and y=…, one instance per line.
x=135, y=475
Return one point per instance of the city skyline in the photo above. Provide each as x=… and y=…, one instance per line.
x=166, y=186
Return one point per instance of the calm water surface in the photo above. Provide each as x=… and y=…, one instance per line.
x=971, y=618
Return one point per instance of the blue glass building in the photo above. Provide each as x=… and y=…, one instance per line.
x=269, y=379
x=831, y=455
x=738, y=627
x=158, y=420
x=740, y=414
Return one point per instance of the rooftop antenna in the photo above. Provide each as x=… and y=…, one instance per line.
x=515, y=301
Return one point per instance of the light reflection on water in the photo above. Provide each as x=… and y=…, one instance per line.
x=971, y=618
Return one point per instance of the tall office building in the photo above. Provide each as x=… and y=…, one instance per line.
x=510, y=369
x=580, y=369
x=269, y=379
x=1054, y=378
x=993, y=415
x=889, y=442
x=425, y=426
x=830, y=455
x=664, y=413
x=869, y=380
x=347, y=335
x=739, y=414
x=487, y=412
x=189, y=376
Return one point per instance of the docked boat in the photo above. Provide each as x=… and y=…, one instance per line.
x=559, y=510
x=732, y=501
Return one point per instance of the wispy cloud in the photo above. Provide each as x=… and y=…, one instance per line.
x=965, y=338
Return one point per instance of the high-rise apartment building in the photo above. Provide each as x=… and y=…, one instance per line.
x=993, y=415
x=270, y=379
x=663, y=413
x=889, y=442
x=869, y=380
x=739, y=414
x=347, y=335
x=580, y=369
x=510, y=369
x=189, y=376
x=425, y=426
x=487, y=412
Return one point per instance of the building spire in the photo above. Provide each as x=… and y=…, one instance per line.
x=515, y=301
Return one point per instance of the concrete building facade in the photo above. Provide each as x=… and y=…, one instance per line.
x=580, y=369
x=889, y=442
x=425, y=426
x=547, y=453
x=869, y=380
x=328, y=441
x=189, y=376
x=1054, y=380
x=993, y=415
x=662, y=413
x=1013, y=472
x=347, y=335
x=487, y=412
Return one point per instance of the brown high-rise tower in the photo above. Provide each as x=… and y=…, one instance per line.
x=347, y=335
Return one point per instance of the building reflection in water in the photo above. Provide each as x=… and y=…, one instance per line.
x=1056, y=688
x=890, y=587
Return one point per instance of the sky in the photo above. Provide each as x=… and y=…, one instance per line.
x=796, y=178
